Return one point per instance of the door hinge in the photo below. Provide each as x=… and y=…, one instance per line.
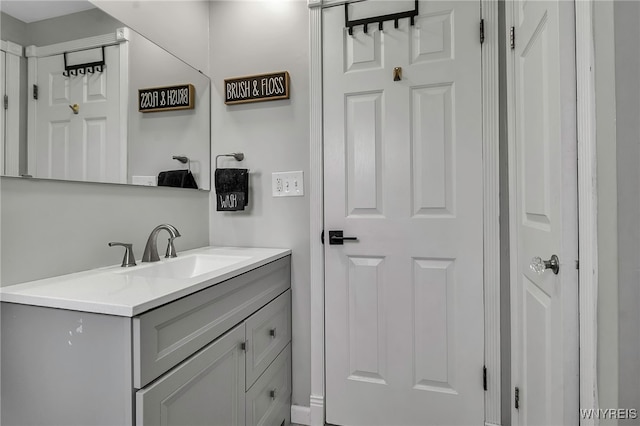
x=577, y=264
x=484, y=377
x=6, y=102
x=512, y=37
x=481, y=31
x=35, y=91
x=322, y=237
x=517, y=398
x=243, y=346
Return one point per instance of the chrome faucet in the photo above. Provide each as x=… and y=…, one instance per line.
x=151, y=249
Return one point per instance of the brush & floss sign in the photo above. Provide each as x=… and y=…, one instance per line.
x=257, y=88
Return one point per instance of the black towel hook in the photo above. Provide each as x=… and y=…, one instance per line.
x=183, y=159
x=239, y=156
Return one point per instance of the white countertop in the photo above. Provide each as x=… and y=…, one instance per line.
x=113, y=291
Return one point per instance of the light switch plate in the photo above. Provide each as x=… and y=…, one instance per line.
x=287, y=184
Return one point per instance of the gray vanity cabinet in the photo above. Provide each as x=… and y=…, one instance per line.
x=221, y=356
x=244, y=377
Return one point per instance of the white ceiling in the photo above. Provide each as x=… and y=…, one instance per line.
x=36, y=10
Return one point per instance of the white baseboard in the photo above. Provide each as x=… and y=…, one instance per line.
x=301, y=415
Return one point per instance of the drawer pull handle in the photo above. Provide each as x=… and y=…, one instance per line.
x=272, y=332
x=272, y=394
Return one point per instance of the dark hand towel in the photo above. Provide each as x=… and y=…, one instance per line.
x=177, y=178
x=232, y=189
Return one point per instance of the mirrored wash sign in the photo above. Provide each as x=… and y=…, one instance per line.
x=256, y=88
x=167, y=98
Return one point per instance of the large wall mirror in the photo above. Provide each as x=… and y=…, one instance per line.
x=70, y=76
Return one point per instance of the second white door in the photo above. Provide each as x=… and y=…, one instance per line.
x=403, y=174
x=544, y=216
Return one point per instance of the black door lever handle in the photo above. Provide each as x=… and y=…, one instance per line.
x=337, y=238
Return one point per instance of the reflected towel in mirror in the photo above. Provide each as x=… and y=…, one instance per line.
x=177, y=178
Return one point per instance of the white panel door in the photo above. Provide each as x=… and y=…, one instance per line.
x=544, y=188
x=84, y=146
x=403, y=174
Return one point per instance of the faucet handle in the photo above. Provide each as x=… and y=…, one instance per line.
x=171, y=249
x=129, y=259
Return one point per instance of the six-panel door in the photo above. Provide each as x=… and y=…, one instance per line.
x=403, y=174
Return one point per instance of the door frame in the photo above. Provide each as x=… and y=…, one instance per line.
x=490, y=137
x=120, y=37
x=587, y=205
x=11, y=147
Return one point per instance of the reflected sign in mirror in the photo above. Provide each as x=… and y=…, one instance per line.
x=68, y=121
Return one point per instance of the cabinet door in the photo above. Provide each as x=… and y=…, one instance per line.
x=206, y=389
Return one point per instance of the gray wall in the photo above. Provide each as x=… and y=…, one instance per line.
x=71, y=27
x=14, y=30
x=627, y=90
x=267, y=37
x=181, y=27
x=52, y=227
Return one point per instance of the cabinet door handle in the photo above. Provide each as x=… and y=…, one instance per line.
x=272, y=332
x=272, y=394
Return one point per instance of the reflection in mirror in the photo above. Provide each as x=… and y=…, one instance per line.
x=70, y=82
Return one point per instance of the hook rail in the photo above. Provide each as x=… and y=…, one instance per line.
x=81, y=69
x=395, y=17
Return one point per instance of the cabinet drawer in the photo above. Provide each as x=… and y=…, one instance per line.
x=207, y=389
x=268, y=332
x=268, y=401
x=165, y=336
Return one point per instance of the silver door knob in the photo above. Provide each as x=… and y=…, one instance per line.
x=539, y=266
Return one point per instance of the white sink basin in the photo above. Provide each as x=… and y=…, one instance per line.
x=188, y=266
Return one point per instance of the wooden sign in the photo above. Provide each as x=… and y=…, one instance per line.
x=168, y=98
x=257, y=88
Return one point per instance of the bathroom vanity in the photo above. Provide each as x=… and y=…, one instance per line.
x=202, y=339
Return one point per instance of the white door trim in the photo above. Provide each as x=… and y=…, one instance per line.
x=316, y=199
x=587, y=206
x=12, y=126
x=491, y=210
x=490, y=213
x=119, y=36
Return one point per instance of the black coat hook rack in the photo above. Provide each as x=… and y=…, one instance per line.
x=81, y=69
x=395, y=17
